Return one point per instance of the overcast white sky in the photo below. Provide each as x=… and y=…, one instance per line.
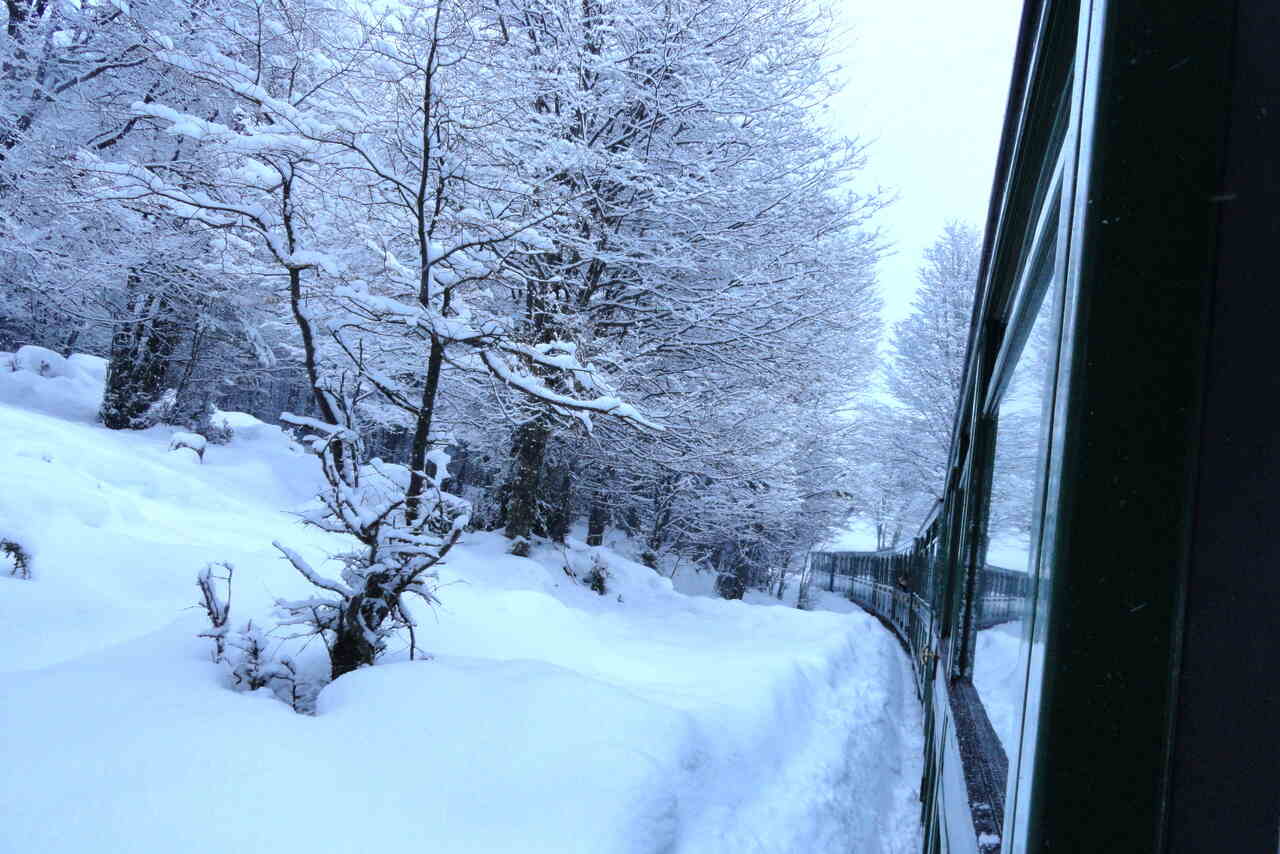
x=927, y=83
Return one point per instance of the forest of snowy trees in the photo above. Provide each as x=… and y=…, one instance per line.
x=605, y=254
x=560, y=261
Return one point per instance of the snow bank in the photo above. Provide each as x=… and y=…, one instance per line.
x=548, y=718
x=39, y=379
x=1000, y=677
x=117, y=527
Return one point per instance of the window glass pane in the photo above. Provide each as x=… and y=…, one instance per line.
x=1008, y=579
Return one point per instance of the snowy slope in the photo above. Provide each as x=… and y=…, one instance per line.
x=549, y=719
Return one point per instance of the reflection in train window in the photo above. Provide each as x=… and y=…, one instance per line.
x=1006, y=582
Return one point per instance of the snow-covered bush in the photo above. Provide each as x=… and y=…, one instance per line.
x=598, y=577
x=89, y=367
x=215, y=427
x=395, y=557
x=191, y=441
x=251, y=664
x=14, y=559
x=245, y=652
x=292, y=687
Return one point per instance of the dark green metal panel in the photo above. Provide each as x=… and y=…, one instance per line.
x=1226, y=748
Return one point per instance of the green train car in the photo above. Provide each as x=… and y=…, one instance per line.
x=1092, y=608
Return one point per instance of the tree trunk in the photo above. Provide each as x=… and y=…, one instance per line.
x=731, y=582
x=350, y=652
x=422, y=432
x=529, y=449
x=139, y=359
x=361, y=618
x=561, y=515
x=597, y=519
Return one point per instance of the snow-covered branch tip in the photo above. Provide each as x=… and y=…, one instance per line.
x=304, y=568
x=216, y=606
x=539, y=390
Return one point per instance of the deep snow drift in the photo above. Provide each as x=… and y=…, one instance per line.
x=548, y=718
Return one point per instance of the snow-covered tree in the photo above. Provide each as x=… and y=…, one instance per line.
x=395, y=555
x=924, y=372
x=704, y=243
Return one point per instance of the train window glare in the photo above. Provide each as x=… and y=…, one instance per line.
x=1007, y=581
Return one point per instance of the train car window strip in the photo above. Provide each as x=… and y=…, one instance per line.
x=1040, y=166
x=1033, y=282
x=1016, y=521
x=1004, y=189
x=1063, y=298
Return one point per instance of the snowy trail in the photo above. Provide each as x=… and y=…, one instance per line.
x=549, y=719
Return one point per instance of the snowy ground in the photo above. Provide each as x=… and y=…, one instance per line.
x=548, y=719
x=1000, y=676
x=999, y=668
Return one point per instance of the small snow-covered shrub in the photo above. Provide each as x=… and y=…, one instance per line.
x=192, y=441
x=292, y=687
x=219, y=432
x=39, y=379
x=245, y=652
x=14, y=559
x=251, y=665
x=211, y=425
x=598, y=577
x=188, y=455
x=40, y=361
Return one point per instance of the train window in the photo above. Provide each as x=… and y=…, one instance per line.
x=1005, y=598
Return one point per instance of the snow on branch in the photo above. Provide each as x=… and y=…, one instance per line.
x=300, y=564
x=324, y=428
x=539, y=390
